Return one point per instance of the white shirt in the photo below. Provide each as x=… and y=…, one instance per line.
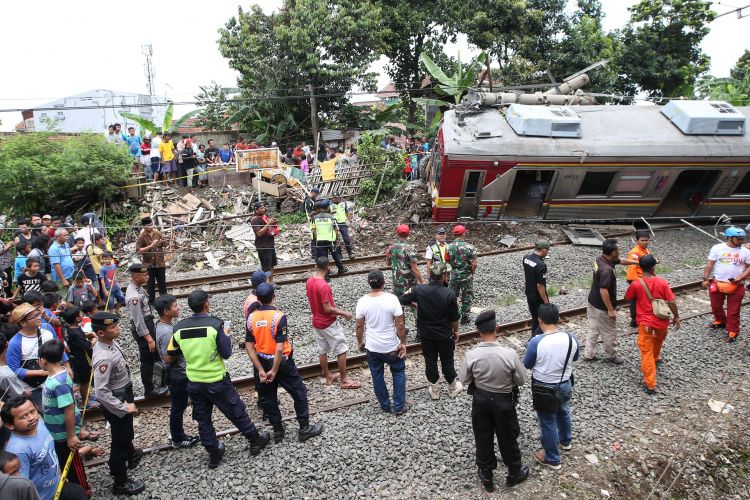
x=380, y=326
x=87, y=233
x=155, y=141
x=730, y=262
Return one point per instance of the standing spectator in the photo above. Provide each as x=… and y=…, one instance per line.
x=189, y=160
x=241, y=144
x=180, y=147
x=39, y=251
x=80, y=350
x=652, y=329
x=168, y=310
x=329, y=334
x=730, y=265
x=425, y=145
x=146, y=157
x=201, y=164
x=322, y=154
x=381, y=334
x=61, y=259
x=265, y=229
x=31, y=279
x=111, y=136
x=551, y=356
x=13, y=485
x=111, y=291
x=80, y=291
x=133, y=142
x=150, y=244
x=156, y=155
x=535, y=276
x=23, y=249
x=437, y=327
x=212, y=153
x=634, y=271
x=10, y=385
x=226, y=155
x=168, y=163
x=492, y=374
x=602, y=300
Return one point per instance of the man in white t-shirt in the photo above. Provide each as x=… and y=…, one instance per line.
x=730, y=264
x=381, y=333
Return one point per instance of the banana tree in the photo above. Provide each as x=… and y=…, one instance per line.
x=166, y=126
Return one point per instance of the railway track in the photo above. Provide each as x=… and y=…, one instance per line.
x=360, y=360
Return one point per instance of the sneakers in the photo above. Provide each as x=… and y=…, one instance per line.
x=157, y=393
x=278, y=434
x=455, y=388
x=403, y=409
x=343, y=270
x=128, y=487
x=258, y=442
x=215, y=455
x=309, y=431
x=188, y=442
x=539, y=456
x=717, y=325
x=732, y=336
x=648, y=390
x=434, y=390
x=485, y=476
x=566, y=447
x=615, y=360
x=522, y=475
x=135, y=458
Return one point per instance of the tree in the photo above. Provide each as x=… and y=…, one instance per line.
x=741, y=69
x=213, y=114
x=299, y=62
x=661, y=46
x=168, y=125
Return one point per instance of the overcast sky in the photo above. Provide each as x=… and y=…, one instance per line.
x=57, y=49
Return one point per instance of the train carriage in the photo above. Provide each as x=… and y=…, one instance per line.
x=690, y=158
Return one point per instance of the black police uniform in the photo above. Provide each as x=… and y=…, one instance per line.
x=535, y=273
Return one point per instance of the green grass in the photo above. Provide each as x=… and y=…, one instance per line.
x=291, y=218
x=506, y=300
x=663, y=269
x=553, y=291
x=696, y=262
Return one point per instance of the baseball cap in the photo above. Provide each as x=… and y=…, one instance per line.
x=459, y=229
x=138, y=268
x=541, y=244
x=315, y=190
x=259, y=277
x=264, y=291
x=440, y=230
x=403, y=229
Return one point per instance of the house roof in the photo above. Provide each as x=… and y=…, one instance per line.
x=387, y=92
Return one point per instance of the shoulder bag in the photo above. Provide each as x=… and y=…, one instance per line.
x=660, y=306
x=546, y=398
x=33, y=364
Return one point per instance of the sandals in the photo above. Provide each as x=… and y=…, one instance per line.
x=351, y=385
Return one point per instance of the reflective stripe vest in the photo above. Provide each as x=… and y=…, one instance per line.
x=339, y=210
x=325, y=227
x=264, y=325
x=196, y=338
x=438, y=252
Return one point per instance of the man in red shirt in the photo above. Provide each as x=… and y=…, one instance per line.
x=329, y=333
x=652, y=330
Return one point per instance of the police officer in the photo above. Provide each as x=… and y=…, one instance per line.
x=436, y=250
x=114, y=391
x=535, y=276
x=326, y=235
x=310, y=213
x=343, y=217
x=205, y=344
x=463, y=259
x=437, y=328
x=143, y=327
x=402, y=258
x=271, y=352
x=492, y=374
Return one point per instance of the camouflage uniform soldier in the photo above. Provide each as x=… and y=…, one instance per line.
x=402, y=257
x=463, y=259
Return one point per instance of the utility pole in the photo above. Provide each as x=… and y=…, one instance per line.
x=314, y=115
x=148, y=52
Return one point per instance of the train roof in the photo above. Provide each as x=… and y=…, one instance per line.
x=607, y=131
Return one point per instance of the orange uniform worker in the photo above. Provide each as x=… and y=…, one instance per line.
x=634, y=271
x=652, y=330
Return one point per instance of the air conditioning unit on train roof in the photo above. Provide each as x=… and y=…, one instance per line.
x=705, y=117
x=544, y=121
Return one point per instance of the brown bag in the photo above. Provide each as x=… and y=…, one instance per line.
x=660, y=306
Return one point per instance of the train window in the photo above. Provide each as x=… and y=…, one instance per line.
x=596, y=183
x=472, y=184
x=744, y=185
x=632, y=182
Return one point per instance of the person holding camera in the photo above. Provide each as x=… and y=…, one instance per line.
x=551, y=356
x=492, y=374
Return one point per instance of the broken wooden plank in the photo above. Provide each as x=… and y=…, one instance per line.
x=212, y=260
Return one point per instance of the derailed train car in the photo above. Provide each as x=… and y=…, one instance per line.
x=688, y=158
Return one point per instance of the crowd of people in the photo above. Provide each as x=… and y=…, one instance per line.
x=59, y=350
x=413, y=148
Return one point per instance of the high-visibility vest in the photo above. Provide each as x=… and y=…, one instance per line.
x=438, y=252
x=196, y=338
x=339, y=210
x=325, y=227
x=264, y=324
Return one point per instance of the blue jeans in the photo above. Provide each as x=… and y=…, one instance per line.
x=178, y=391
x=556, y=428
x=377, y=361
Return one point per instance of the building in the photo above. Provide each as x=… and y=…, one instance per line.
x=93, y=111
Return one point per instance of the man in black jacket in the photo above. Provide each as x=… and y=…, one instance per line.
x=437, y=326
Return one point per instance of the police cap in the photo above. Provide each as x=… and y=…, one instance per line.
x=259, y=277
x=440, y=230
x=336, y=194
x=315, y=190
x=486, y=321
x=264, y=292
x=101, y=320
x=138, y=268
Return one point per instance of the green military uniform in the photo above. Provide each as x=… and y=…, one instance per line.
x=401, y=254
x=460, y=255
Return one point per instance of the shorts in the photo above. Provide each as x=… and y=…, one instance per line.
x=145, y=160
x=331, y=340
x=168, y=166
x=267, y=257
x=81, y=370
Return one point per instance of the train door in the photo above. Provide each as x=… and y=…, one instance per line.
x=471, y=193
x=688, y=192
x=529, y=191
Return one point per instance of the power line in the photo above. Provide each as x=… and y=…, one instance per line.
x=738, y=10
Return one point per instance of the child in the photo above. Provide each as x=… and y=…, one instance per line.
x=80, y=291
x=51, y=303
x=88, y=307
x=112, y=292
x=10, y=385
x=80, y=350
x=9, y=463
x=61, y=415
x=31, y=279
x=83, y=262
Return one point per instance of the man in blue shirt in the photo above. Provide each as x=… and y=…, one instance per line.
x=133, y=142
x=60, y=259
x=551, y=356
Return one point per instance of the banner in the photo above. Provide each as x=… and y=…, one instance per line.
x=254, y=159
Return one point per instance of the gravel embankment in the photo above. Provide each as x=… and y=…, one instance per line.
x=429, y=453
x=498, y=284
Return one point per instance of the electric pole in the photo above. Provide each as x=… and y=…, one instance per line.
x=148, y=52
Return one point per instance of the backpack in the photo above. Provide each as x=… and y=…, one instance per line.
x=660, y=306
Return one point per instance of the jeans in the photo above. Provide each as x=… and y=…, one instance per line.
x=377, y=361
x=444, y=348
x=178, y=390
x=494, y=415
x=556, y=428
x=223, y=395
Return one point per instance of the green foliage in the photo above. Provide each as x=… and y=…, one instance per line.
x=43, y=172
x=166, y=126
x=291, y=218
x=741, y=70
x=661, y=46
x=505, y=300
x=213, y=114
x=385, y=164
x=455, y=85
